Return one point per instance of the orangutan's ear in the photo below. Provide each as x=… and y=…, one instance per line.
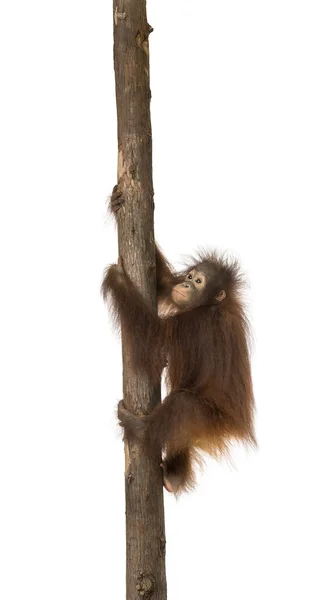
x=221, y=296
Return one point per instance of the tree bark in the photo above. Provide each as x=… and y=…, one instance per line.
x=145, y=529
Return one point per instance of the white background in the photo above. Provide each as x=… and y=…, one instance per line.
x=240, y=129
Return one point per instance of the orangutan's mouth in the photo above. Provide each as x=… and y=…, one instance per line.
x=180, y=293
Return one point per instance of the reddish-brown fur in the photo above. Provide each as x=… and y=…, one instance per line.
x=210, y=400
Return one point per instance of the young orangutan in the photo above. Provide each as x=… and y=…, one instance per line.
x=203, y=339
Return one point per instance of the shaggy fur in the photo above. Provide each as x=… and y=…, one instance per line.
x=206, y=349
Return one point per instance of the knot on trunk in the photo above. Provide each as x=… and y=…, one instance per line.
x=119, y=16
x=145, y=585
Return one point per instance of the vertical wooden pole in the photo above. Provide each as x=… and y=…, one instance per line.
x=145, y=530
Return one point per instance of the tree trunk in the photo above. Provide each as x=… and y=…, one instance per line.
x=145, y=529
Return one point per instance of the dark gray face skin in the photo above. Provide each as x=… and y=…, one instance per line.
x=192, y=291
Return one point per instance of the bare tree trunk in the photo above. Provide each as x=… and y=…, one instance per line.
x=145, y=529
